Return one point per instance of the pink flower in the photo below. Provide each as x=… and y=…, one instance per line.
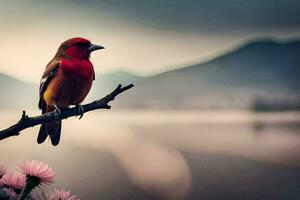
x=62, y=195
x=10, y=193
x=39, y=170
x=2, y=170
x=15, y=181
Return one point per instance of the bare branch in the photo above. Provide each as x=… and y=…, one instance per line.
x=26, y=122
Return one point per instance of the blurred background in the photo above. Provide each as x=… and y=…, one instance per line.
x=214, y=113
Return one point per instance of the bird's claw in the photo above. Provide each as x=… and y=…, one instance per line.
x=81, y=110
x=57, y=112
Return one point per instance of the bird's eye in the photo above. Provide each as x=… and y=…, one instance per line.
x=80, y=45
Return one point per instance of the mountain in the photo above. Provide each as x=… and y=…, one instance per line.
x=119, y=76
x=105, y=83
x=259, y=71
x=16, y=93
x=261, y=75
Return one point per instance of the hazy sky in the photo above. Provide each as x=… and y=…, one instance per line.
x=142, y=36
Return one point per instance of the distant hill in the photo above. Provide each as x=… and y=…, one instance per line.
x=260, y=75
x=16, y=93
x=105, y=83
x=263, y=70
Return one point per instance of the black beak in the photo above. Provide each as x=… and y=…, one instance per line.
x=94, y=47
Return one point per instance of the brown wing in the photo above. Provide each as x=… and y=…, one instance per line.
x=48, y=75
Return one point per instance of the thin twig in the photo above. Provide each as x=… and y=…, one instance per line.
x=26, y=122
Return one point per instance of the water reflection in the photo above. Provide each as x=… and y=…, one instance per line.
x=154, y=148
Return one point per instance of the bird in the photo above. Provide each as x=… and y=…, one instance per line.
x=66, y=81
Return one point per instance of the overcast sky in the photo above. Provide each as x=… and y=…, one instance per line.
x=141, y=36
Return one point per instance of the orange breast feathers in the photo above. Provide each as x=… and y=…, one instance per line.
x=71, y=83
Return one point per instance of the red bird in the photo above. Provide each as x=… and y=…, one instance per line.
x=66, y=81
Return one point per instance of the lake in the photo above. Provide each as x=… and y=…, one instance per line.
x=138, y=154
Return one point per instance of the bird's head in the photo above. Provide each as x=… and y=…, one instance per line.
x=77, y=48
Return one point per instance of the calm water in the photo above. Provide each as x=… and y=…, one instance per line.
x=169, y=154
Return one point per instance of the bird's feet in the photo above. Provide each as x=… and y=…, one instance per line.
x=81, y=110
x=57, y=112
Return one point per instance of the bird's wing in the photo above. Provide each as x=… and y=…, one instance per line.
x=48, y=75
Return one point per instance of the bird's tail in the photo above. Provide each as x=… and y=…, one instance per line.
x=53, y=129
x=42, y=134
